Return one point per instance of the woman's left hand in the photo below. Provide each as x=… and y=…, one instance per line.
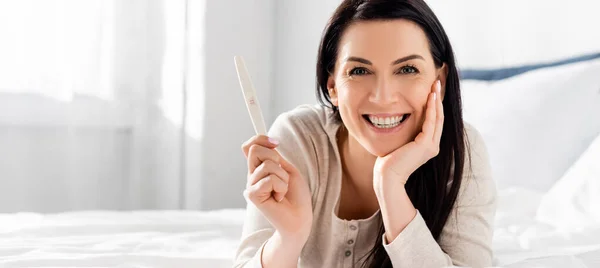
x=402, y=162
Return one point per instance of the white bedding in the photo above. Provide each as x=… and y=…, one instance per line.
x=209, y=239
x=120, y=239
x=520, y=240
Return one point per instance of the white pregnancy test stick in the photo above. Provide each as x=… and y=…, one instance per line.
x=250, y=96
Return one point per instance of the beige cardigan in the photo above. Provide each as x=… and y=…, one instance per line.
x=307, y=137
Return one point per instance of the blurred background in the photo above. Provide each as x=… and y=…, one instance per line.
x=121, y=123
x=124, y=105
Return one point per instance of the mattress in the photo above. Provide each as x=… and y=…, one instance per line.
x=209, y=238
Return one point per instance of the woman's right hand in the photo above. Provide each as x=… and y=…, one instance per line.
x=277, y=189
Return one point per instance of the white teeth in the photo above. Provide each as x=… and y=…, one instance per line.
x=387, y=122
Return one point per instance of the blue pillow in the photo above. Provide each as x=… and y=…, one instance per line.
x=499, y=74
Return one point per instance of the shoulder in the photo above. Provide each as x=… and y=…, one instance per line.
x=304, y=119
x=303, y=135
x=474, y=142
x=477, y=185
x=304, y=132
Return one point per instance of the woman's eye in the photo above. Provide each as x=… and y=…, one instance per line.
x=408, y=70
x=358, y=71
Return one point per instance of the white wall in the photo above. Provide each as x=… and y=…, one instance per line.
x=492, y=34
x=299, y=25
x=233, y=27
x=89, y=153
x=41, y=165
x=279, y=40
x=137, y=162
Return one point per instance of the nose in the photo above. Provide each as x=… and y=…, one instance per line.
x=384, y=92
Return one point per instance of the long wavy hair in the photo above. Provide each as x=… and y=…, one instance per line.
x=433, y=187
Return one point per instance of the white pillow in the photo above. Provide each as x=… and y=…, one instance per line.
x=574, y=201
x=536, y=124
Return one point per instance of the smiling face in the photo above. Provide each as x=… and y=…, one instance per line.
x=383, y=75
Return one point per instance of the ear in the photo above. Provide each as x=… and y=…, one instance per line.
x=333, y=96
x=442, y=74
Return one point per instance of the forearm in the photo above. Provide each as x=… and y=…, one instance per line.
x=281, y=252
x=397, y=210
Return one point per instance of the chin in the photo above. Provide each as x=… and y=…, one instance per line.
x=381, y=143
x=379, y=150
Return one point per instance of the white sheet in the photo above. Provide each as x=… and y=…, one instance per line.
x=209, y=239
x=120, y=239
x=522, y=241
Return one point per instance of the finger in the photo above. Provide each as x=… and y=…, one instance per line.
x=260, y=192
x=263, y=189
x=274, y=172
x=280, y=188
x=265, y=169
x=258, y=154
x=439, y=118
x=259, y=140
x=429, y=123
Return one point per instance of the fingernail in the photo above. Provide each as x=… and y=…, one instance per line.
x=434, y=96
x=280, y=200
x=439, y=86
x=273, y=141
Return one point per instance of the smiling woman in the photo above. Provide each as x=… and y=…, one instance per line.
x=383, y=123
x=384, y=173
x=365, y=84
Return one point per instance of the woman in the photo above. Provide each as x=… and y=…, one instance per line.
x=383, y=173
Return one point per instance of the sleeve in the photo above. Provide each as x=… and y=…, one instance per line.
x=467, y=236
x=296, y=149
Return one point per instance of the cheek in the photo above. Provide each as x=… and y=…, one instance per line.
x=417, y=98
x=347, y=104
x=350, y=92
x=417, y=94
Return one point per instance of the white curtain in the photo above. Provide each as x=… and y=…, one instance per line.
x=94, y=104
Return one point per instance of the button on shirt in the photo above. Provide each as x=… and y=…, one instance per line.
x=363, y=231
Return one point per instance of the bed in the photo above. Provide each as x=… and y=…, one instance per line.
x=120, y=239
x=209, y=239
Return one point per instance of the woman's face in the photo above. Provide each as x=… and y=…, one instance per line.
x=382, y=78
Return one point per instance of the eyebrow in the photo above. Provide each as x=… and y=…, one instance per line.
x=398, y=61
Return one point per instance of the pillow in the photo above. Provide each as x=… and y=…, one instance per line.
x=536, y=124
x=503, y=73
x=574, y=201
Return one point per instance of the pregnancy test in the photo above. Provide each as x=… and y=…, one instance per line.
x=250, y=97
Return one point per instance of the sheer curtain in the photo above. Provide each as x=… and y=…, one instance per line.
x=94, y=103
